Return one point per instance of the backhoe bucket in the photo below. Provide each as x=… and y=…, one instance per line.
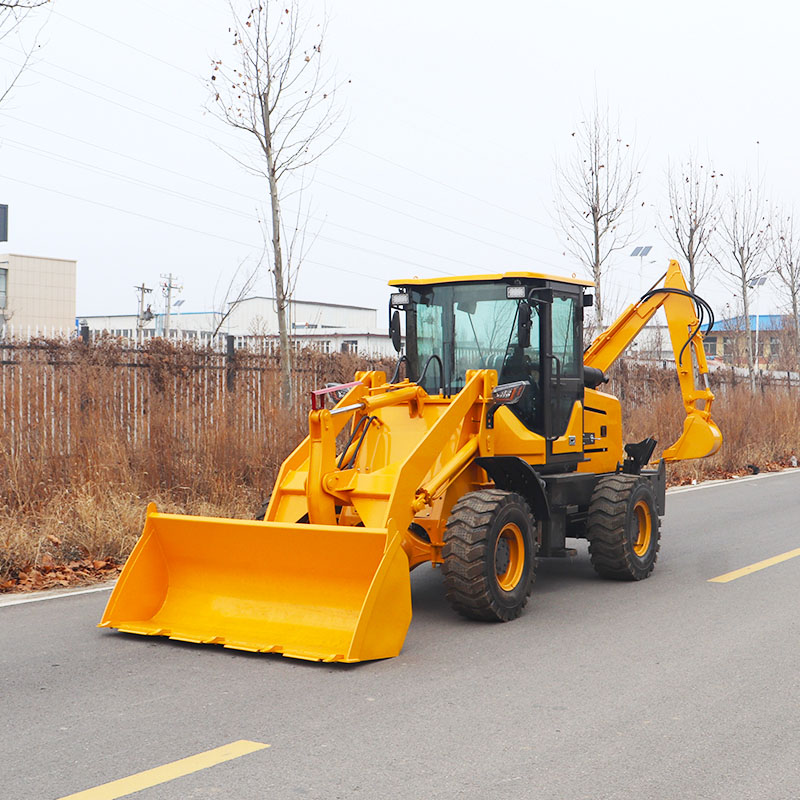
x=317, y=592
x=700, y=438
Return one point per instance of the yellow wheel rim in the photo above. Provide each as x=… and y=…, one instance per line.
x=509, y=557
x=644, y=523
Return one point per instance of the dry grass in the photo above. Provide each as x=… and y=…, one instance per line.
x=761, y=428
x=89, y=436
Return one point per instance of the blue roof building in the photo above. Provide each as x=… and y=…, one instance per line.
x=766, y=322
x=727, y=341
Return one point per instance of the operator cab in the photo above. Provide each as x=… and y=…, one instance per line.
x=526, y=326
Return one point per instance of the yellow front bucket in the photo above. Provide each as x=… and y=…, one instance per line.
x=317, y=592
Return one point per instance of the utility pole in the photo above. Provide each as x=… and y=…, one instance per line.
x=168, y=286
x=145, y=314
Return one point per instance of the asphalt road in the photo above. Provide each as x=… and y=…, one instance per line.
x=669, y=688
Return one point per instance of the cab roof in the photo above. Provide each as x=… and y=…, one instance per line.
x=500, y=276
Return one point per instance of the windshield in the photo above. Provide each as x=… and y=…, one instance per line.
x=468, y=327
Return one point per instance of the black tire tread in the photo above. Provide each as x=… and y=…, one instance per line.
x=609, y=555
x=464, y=552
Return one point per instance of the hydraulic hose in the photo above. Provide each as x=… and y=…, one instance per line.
x=701, y=306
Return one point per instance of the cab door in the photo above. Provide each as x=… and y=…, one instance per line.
x=563, y=376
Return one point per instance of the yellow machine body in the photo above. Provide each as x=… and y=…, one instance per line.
x=325, y=575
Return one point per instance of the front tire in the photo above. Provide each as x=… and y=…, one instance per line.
x=489, y=555
x=623, y=528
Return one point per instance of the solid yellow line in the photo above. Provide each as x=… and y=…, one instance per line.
x=168, y=772
x=738, y=573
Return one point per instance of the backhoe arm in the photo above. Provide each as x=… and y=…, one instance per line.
x=701, y=436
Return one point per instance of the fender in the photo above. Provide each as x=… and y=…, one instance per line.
x=516, y=475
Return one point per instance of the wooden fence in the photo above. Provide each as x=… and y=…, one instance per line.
x=167, y=413
x=165, y=416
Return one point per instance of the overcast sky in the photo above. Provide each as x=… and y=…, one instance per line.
x=456, y=114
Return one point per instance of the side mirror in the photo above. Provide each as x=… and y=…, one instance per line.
x=394, y=331
x=524, y=325
x=588, y=300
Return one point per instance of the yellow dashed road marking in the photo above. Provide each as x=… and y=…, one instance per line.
x=168, y=772
x=738, y=573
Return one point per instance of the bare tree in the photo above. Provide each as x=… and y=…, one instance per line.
x=595, y=193
x=276, y=92
x=744, y=237
x=786, y=258
x=12, y=15
x=238, y=287
x=693, y=212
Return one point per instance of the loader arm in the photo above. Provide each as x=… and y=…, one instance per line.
x=701, y=436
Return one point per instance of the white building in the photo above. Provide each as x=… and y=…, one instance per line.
x=328, y=327
x=37, y=295
x=256, y=316
x=652, y=344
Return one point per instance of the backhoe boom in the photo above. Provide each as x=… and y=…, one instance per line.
x=701, y=436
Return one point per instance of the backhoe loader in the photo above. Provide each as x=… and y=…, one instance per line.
x=497, y=448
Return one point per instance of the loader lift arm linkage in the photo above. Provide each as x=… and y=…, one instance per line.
x=450, y=469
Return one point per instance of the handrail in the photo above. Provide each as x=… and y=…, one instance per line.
x=396, y=373
x=438, y=360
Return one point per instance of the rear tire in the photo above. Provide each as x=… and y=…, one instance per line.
x=489, y=555
x=623, y=528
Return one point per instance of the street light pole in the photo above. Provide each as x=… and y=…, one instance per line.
x=640, y=253
x=754, y=284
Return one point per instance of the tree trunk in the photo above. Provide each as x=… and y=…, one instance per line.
x=598, y=297
x=796, y=324
x=751, y=371
x=279, y=282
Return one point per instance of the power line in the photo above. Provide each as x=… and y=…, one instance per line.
x=429, y=208
x=111, y=88
x=349, y=144
x=427, y=222
x=182, y=19
x=119, y=176
x=163, y=189
x=124, y=44
x=202, y=232
x=351, y=194
x=243, y=215
x=429, y=114
x=113, y=102
x=218, y=131
x=226, y=238
x=367, y=200
x=395, y=258
x=127, y=211
x=445, y=185
x=342, y=269
x=130, y=157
